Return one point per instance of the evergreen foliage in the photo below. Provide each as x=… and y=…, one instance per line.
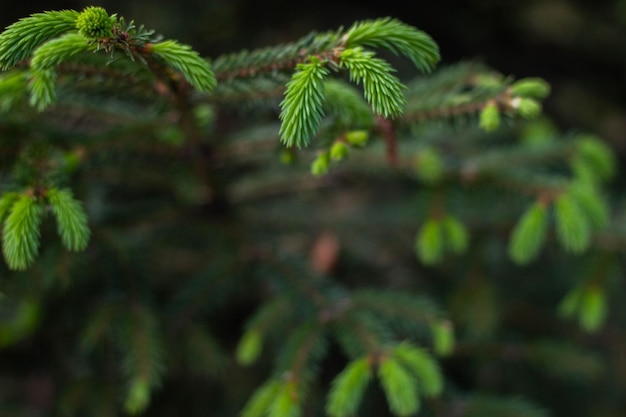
x=295, y=230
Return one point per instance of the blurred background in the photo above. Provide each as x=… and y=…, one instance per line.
x=578, y=46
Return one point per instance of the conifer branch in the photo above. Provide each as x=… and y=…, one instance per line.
x=71, y=219
x=397, y=37
x=195, y=69
x=21, y=38
x=302, y=107
x=20, y=237
x=382, y=89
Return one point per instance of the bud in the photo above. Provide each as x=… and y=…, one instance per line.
x=429, y=165
x=528, y=108
x=95, y=23
x=339, y=151
x=357, y=137
x=321, y=164
x=531, y=87
x=490, y=117
x=287, y=157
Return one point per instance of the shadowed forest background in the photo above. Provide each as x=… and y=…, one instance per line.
x=578, y=47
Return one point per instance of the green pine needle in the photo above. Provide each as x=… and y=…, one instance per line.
x=138, y=396
x=399, y=386
x=71, y=219
x=6, y=202
x=529, y=234
x=572, y=226
x=382, y=89
x=302, y=107
x=443, y=337
x=429, y=243
x=397, y=37
x=347, y=105
x=456, y=235
x=593, y=308
x=348, y=388
x=42, y=88
x=20, y=242
x=21, y=38
x=424, y=367
x=43, y=78
x=196, y=70
x=286, y=403
x=592, y=204
x=58, y=50
x=260, y=402
x=249, y=347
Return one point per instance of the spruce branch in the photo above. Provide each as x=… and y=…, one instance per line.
x=400, y=387
x=302, y=107
x=529, y=234
x=71, y=219
x=52, y=53
x=346, y=392
x=196, y=70
x=20, y=238
x=423, y=366
x=397, y=37
x=58, y=50
x=142, y=346
x=274, y=60
x=21, y=38
x=382, y=89
x=260, y=402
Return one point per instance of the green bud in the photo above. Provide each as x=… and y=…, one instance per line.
x=287, y=157
x=490, y=117
x=321, y=164
x=429, y=165
x=357, y=137
x=339, y=151
x=531, y=87
x=528, y=108
x=95, y=23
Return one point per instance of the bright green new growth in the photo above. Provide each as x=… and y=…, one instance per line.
x=302, y=107
x=456, y=235
x=429, y=243
x=249, y=347
x=429, y=165
x=397, y=37
x=348, y=388
x=423, y=366
x=20, y=242
x=95, y=23
x=572, y=225
x=262, y=399
x=382, y=89
x=71, y=219
x=19, y=40
x=196, y=70
x=52, y=53
x=400, y=387
x=490, y=117
x=529, y=234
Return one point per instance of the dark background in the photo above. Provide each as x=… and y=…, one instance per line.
x=578, y=46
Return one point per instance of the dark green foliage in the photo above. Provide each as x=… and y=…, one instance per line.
x=296, y=231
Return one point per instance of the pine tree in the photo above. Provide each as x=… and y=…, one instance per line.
x=295, y=231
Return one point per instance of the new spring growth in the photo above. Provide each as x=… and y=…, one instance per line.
x=95, y=23
x=321, y=164
x=490, y=117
